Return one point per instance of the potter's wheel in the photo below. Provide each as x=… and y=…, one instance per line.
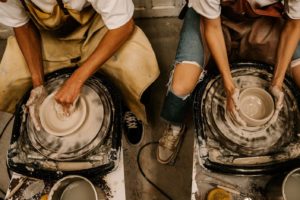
x=249, y=140
x=85, y=135
x=92, y=149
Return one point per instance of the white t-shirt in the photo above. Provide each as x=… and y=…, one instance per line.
x=211, y=9
x=115, y=13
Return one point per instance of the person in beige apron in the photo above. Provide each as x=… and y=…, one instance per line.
x=205, y=27
x=94, y=35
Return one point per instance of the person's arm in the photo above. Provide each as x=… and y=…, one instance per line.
x=289, y=39
x=215, y=40
x=29, y=42
x=110, y=43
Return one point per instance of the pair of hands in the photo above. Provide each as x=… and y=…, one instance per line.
x=65, y=97
x=233, y=104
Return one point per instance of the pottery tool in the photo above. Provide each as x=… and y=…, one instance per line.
x=228, y=184
x=228, y=189
x=218, y=194
x=17, y=187
x=68, y=166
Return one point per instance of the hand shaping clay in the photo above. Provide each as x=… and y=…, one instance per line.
x=55, y=122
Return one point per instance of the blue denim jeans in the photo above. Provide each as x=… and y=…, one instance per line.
x=296, y=57
x=190, y=49
x=190, y=46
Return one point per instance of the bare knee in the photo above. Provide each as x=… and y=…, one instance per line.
x=185, y=78
x=182, y=87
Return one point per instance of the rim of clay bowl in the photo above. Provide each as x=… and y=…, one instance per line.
x=59, y=182
x=285, y=180
x=257, y=121
x=43, y=110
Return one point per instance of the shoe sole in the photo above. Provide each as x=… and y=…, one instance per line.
x=172, y=159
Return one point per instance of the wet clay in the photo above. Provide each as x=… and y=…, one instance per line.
x=248, y=140
x=32, y=152
x=85, y=138
x=56, y=121
x=256, y=106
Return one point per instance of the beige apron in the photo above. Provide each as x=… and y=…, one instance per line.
x=133, y=68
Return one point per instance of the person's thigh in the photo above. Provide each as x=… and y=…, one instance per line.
x=190, y=47
x=189, y=58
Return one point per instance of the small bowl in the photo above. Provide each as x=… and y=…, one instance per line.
x=73, y=187
x=291, y=184
x=256, y=106
x=54, y=124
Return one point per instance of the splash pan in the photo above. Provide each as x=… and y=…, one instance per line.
x=91, y=148
x=89, y=135
x=224, y=143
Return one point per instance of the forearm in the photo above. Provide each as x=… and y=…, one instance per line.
x=216, y=44
x=30, y=44
x=288, y=42
x=110, y=43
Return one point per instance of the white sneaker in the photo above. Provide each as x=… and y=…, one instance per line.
x=169, y=143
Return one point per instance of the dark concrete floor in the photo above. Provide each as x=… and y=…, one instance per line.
x=174, y=180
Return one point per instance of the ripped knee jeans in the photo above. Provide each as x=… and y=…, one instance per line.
x=296, y=57
x=190, y=50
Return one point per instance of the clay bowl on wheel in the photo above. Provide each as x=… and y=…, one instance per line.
x=54, y=124
x=73, y=188
x=256, y=106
